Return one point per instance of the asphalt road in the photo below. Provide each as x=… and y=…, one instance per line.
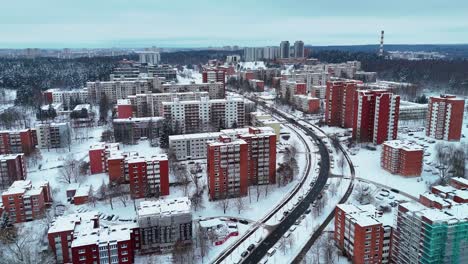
x=260, y=251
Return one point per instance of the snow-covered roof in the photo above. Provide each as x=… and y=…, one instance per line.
x=81, y=107
x=106, y=234
x=164, y=207
x=364, y=215
x=123, y=102
x=18, y=187
x=455, y=214
x=195, y=136
x=68, y=222
x=82, y=191
x=104, y=145
x=460, y=180
x=403, y=144
x=136, y=119
x=10, y=156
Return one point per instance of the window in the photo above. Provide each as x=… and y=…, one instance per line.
x=124, y=246
x=82, y=257
x=124, y=259
x=81, y=251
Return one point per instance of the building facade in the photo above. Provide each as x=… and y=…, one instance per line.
x=24, y=202
x=204, y=115
x=430, y=235
x=401, y=157
x=339, y=103
x=284, y=49
x=307, y=104
x=131, y=130
x=99, y=154
x=18, y=141
x=53, y=135
x=361, y=234
x=12, y=168
x=445, y=117
x=375, y=116
x=163, y=223
x=299, y=49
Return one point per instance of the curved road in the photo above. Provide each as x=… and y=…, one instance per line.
x=224, y=254
x=260, y=251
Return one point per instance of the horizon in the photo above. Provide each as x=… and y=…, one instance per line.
x=187, y=24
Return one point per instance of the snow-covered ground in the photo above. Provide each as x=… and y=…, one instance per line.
x=188, y=75
x=252, y=65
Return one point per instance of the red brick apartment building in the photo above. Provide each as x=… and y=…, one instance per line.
x=98, y=155
x=402, y=157
x=444, y=118
x=24, y=202
x=124, y=108
x=339, y=103
x=241, y=157
x=79, y=239
x=361, y=234
x=214, y=75
x=227, y=168
x=375, y=116
x=19, y=141
x=147, y=176
x=12, y=168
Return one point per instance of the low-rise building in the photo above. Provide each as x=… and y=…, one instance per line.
x=163, y=223
x=402, y=157
x=24, y=202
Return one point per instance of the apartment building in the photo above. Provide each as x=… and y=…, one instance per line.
x=131, y=71
x=145, y=105
x=215, y=90
x=148, y=176
x=339, y=103
x=12, y=168
x=412, y=111
x=98, y=155
x=131, y=130
x=67, y=98
x=290, y=88
x=259, y=119
x=191, y=146
x=204, y=115
x=24, y=202
x=53, y=135
x=257, y=85
x=430, y=235
x=211, y=74
x=79, y=238
x=402, y=157
x=124, y=108
x=119, y=89
x=362, y=234
x=306, y=103
x=18, y=141
x=227, y=168
x=163, y=223
x=375, y=116
x=445, y=117
x=442, y=197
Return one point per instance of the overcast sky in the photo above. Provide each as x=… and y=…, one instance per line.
x=184, y=23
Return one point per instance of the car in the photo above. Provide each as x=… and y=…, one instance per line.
x=287, y=234
x=244, y=222
x=245, y=254
x=285, y=213
x=302, y=216
x=271, y=251
x=384, y=194
x=281, y=218
x=379, y=198
x=391, y=197
x=233, y=220
x=298, y=222
x=319, y=196
x=307, y=211
x=251, y=247
x=300, y=197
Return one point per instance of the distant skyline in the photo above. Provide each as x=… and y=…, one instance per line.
x=203, y=23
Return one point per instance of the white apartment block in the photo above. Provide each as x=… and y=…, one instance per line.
x=215, y=89
x=191, y=146
x=53, y=135
x=204, y=115
x=65, y=96
x=162, y=223
x=115, y=90
x=150, y=104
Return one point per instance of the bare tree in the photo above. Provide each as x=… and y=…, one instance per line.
x=282, y=245
x=362, y=194
x=223, y=204
x=240, y=204
x=328, y=248
x=182, y=253
x=183, y=177
x=102, y=192
x=333, y=189
x=70, y=170
x=204, y=243
x=341, y=164
x=92, y=196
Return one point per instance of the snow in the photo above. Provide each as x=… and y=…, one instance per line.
x=188, y=76
x=252, y=65
x=164, y=207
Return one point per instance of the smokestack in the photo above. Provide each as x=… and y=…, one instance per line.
x=381, y=43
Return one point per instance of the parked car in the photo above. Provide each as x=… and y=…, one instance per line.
x=245, y=254
x=251, y=247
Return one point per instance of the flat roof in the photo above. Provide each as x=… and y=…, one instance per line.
x=164, y=207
